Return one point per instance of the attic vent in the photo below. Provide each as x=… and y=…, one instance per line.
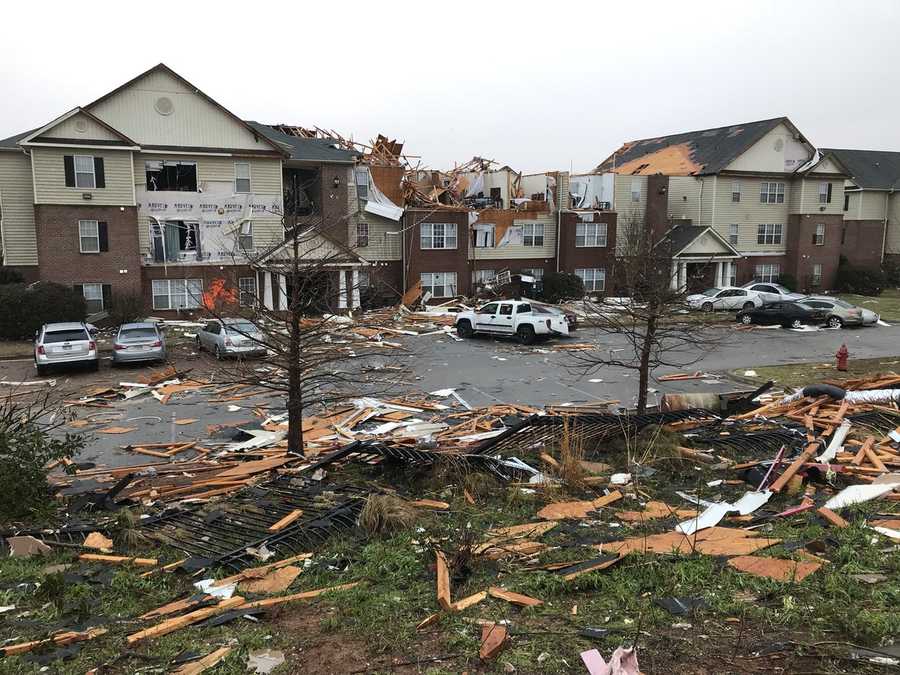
x=80, y=126
x=164, y=105
x=779, y=145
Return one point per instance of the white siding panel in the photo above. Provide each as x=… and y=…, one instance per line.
x=91, y=130
x=50, y=178
x=892, y=242
x=193, y=122
x=872, y=205
x=684, y=196
x=629, y=213
x=17, y=210
x=809, y=202
x=778, y=151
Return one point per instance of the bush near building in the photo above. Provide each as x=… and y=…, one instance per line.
x=861, y=281
x=24, y=309
x=561, y=286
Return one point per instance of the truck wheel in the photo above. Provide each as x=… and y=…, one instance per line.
x=835, y=322
x=526, y=334
x=464, y=329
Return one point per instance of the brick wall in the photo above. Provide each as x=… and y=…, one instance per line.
x=59, y=256
x=803, y=253
x=417, y=260
x=746, y=266
x=572, y=257
x=656, y=215
x=862, y=241
x=206, y=273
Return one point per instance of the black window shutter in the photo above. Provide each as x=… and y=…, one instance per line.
x=107, y=296
x=69, y=163
x=99, y=175
x=829, y=193
x=79, y=289
x=103, y=236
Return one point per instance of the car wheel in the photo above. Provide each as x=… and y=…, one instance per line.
x=835, y=322
x=95, y=366
x=464, y=329
x=217, y=352
x=796, y=323
x=526, y=334
x=706, y=306
x=41, y=370
x=748, y=305
x=199, y=344
x=746, y=319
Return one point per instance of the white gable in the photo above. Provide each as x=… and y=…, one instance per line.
x=159, y=109
x=81, y=127
x=827, y=166
x=707, y=244
x=777, y=152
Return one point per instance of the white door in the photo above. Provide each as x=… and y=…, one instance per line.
x=503, y=320
x=484, y=316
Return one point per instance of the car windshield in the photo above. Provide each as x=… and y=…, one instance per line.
x=241, y=328
x=65, y=335
x=137, y=333
x=711, y=291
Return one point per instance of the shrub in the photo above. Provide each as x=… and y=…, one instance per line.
x=788, y=281
x=859, y=281
x=10, y=276
x=24, y=309
x=126, y=307
x=561, y=286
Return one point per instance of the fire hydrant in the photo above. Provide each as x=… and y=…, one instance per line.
x=842, y=354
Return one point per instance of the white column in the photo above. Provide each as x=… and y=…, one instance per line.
x=342, y=290
x=730, y=271
x=355, y=290
x=682, y=276
x=674, y=282
x=267, y=290
x=282, y=293
x=720, y=274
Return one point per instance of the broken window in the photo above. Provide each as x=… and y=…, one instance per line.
x=171, y=176
x=173, y=240
x=483, y=235
x=481, y=277
x=93, y=297
x=241, y=177
x=245, y=236
x=302, y=188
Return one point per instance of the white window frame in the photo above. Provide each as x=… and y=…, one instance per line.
x=432, y=233
x=82, y=235
x=593, y=278
x=819, y=236
x=591, y=235
x=238, y=177
x=361, y=179
x=636, y=190
x=771, y=192
x=734, y=234
x=247, y=291
x=736, y=191
x=770, y=234
x=190, y=291
x=360, y=227
x=533, y=234
x=443, y=280
x=245, y=233
x=767, y=273
x=536, y=272
x=483, y=276
x=816, y=274
x=823, y=192
x=95, y=289
x=93, y=181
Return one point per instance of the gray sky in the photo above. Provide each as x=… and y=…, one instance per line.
x=536, y=85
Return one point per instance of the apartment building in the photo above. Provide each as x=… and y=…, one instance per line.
x=746, y=201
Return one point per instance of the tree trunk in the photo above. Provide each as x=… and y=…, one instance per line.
x=295, y=368
x=644, y=366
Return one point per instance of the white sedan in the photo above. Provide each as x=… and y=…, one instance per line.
x=726, y=297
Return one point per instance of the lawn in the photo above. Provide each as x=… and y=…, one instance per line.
x=887, y=304
x=812, y=372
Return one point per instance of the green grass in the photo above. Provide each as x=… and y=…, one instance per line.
x=887, y=304
x=811, y=372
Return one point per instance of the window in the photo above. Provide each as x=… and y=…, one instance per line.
x=770, y=233
x=172, y=176
x=93, y=297
x=505, y=310
x=767, y=273
x=188, y=237
x=89, y=236
x=536, y=272
x=241, y=177
x=635, y=190
x=771, y=193
x=177, y=293
x=590, y=234
x=438, y=235
x=819, y=236
x=481, y=277
x=847, y=202
x=362, y=182
x=245, y=236
x=488, y=309
x=733, y=234
x=483, y=235
x=533, y=233
x=84, y=172
x=439, y=284
x=524, y=309
x=362, y=234
x=247, y=288
x=736, y=191
x=594, y=279
x=817, y=274
x=824, y=193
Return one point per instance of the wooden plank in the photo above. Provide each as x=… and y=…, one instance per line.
x=296, y=596
x=256, y=572
x=208, y=661
x=795, y=466
x=578, y=509
x=493, y=637
x=287, y=520
x=118, y=560
x=171, y=625
x=515, y=598
x=443, y=580
x=473, y=599
x=832, y=517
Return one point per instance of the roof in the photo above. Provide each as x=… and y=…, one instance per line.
x=12, y=143
x=76, y=111
x=870, y=169
x=306, y=149
x=681, y=236
x=692, y=153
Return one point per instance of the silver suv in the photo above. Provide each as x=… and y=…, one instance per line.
x=231, y=337
x=59, y=343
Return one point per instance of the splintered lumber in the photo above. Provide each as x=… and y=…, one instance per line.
x=832, y=517
x=473, y=599
x=208, y=661
x=430, y=620
x=191, y=603
x=524, y=530
x=577, y=569
x=861, y=455
x=514, y=598
x=654, y=510
x=60, y=640
x=774, y=568
x=681, y=376
x=578, y=509
x=287, y=520
x=711, y=541
x=259, y=572
x=305, y=595
x=493, y=637
x=795, y=466
x=276, y=581
x=171, y=625
x=430, y=504
x=118, y=560
x=443, y=580
x=98, y=541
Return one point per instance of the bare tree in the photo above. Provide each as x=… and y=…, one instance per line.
x=651, y=318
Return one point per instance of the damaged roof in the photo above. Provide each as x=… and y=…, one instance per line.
x=870, y=169
x=692, y=153
x=306, y=149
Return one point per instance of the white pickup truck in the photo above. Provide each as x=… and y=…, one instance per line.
x=511, y=317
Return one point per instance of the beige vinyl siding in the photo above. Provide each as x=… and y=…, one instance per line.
x=629, y=213
x=892, y=241
x=749, y=213
x=548, y=250
x=683, y=197
x=808, y=199
x=194, y=121
x=91, y=131
x=778, y=151
x=17, y=210
x=871, y=205
x=50, y=178
x=382, y=246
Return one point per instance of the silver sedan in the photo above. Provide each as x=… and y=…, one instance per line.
x=139, y=342
x=231, y=337
x=839, y=312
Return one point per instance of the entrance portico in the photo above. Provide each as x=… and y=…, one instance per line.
x=701, y=256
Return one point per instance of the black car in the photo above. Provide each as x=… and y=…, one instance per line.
x=787, y=314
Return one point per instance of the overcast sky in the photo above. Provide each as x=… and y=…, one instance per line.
x=539, y=86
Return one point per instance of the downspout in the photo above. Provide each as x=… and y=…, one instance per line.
x=700, y=202
x=559, y=203
x=884, y=223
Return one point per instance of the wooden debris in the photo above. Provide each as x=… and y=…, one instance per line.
x=118, y=560
x=208, y=661
x=473, y=599
x=654, y=510
x=443, y=580
x=514, y=598
x=287, y=520
x=117, y=430
x=259, y=572
x=575, y=570
x=493, y=639
x=276, y=581
x=305, y=595
x=98, y=541
x=58, y=640
x=171, y=625
x=832, y=517
x=430, y=504
x=711, y=541
x=774, y=568
x=579, y=509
